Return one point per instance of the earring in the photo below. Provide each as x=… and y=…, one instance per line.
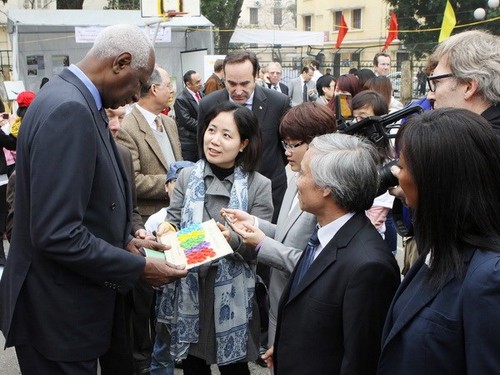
x=241, y=150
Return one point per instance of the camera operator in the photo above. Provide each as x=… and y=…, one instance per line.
x=466, y=74
x=365, y=104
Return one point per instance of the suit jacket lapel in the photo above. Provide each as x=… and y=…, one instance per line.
x=101, y=122
x=259, y=105
x=171, y=137
x=329, y=254
x=287, y=218
x=149, y=136
x=414, y=306
x=192, y=101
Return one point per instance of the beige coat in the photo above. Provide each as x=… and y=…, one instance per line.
x=150, y=166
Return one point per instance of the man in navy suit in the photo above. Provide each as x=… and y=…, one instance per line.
x=67, y=264
x=186, y=114
x=240, y=70
x=331, y=313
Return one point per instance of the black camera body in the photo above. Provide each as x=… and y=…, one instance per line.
x=376, y=129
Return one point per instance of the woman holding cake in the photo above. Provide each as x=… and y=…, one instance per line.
x=211, y=315
x=280, y=245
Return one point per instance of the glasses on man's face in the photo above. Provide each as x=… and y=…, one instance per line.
x=274, y=73
x=291, y=148
x=432, y=81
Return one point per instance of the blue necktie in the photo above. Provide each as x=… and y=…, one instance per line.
x=307, y=259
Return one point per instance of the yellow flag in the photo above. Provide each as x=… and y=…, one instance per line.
x=449, y=22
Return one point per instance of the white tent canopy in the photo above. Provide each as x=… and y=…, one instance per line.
x=44, y=40
x=278, y=37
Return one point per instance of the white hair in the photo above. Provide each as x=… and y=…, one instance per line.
x=116, y=39
x=347, y=166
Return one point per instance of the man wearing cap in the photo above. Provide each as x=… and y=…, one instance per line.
x=153, y=140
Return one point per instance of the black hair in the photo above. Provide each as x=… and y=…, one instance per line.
x=323, y=81
x=457, y=193
x=187, y=76
x=248, y=128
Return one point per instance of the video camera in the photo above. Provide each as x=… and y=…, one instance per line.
x=377, y=130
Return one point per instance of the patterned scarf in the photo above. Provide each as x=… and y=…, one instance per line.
x=179, y=305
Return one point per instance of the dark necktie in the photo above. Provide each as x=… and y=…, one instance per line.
x=307, y=259
x=275, y=87
x=304, y=93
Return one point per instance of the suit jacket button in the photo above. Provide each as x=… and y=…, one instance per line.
x=113, y=206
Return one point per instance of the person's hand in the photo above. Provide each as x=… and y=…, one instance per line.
x=268, y=357
x=135, y=246
x=225, y=232
x=164, y=228
x=396, y=190
x=238, y=217
x=250, y=235
x=143, y=234
x=159, y=272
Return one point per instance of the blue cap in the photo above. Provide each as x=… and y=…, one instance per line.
x=175, y=168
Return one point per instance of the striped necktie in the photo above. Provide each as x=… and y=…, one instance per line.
x=159, y=126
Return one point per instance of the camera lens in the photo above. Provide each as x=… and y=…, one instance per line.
x=387, y=179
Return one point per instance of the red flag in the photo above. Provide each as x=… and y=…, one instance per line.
x=343, y=29
x=393, y=31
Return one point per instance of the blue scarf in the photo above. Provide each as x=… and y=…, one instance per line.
x=179, y=305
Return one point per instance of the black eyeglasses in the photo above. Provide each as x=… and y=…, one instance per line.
x=431, y=79
x=288, y=147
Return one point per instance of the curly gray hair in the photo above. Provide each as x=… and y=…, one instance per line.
x=116, y=39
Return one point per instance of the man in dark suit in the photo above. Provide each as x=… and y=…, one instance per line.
x=240, y=71
x=332, y=311
x=67, y=260
x=186, y=114
x=274, y=72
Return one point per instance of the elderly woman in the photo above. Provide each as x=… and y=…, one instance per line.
x=445, y=317
x=212, y=314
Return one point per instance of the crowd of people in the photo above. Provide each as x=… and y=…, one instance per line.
x=109, y=161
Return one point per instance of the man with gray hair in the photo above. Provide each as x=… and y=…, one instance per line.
x=333, y=309
x=468, y=74
x=153, y=141
x=275, y=72
x=72, y=256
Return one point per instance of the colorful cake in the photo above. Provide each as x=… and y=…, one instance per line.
x=193, y=246
x=192, y=240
